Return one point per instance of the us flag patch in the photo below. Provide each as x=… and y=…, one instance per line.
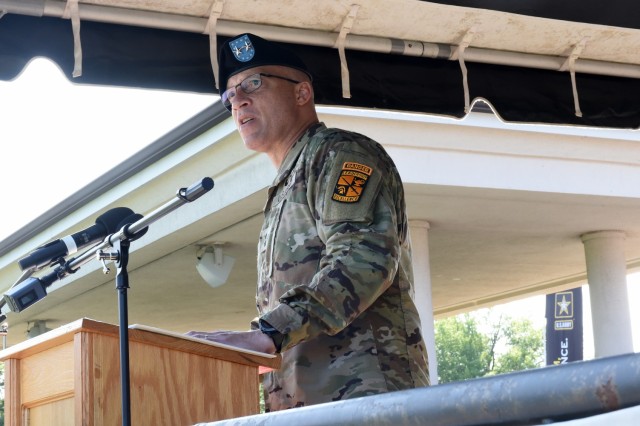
x=351, y=182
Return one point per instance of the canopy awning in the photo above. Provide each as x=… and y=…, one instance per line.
x=572, y=62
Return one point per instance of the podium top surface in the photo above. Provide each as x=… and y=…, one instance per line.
x=142, y=334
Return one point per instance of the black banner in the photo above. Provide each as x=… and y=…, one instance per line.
x=564, y=327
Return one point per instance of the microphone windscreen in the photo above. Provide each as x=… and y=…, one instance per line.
x=111, y=219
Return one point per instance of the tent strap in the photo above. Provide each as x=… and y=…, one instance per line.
x=341, y=41
x=570, y=65
x=211, y=29
x=71, y=12
x=458, y=54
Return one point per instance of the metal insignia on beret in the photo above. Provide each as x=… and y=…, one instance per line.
x=351, y=182
x=242, y=48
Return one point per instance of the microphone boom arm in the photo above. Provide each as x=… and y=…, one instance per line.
x=14, y=296
x=32, y=290
x=183, y=196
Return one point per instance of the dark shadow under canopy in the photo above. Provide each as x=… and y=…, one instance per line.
x=121, y=55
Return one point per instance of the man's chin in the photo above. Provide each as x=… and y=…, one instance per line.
x=253, y=144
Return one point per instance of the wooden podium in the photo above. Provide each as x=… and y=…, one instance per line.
x=71, y=376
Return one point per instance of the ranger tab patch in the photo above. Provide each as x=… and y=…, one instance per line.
x=351, y=182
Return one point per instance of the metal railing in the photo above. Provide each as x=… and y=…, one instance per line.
x=544, y=395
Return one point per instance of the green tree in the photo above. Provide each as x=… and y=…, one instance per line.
x=460, y=349
x=484, y=343
x=525, y=347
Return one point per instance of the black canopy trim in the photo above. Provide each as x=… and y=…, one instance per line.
x=120, y=55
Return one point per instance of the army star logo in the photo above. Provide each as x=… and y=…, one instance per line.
x=351, y=182
x=564, y=305
x=242, y=48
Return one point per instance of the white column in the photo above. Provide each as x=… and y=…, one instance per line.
x=607, y=277
x=419, y=230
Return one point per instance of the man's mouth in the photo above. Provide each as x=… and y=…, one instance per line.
x=245, y=120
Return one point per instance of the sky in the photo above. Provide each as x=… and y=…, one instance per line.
x=56, y=137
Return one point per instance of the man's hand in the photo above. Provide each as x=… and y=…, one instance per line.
x=254, y=340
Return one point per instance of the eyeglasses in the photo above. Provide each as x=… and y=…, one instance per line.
x=249, y=85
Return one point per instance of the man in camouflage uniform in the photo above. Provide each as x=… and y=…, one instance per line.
x=335, y=276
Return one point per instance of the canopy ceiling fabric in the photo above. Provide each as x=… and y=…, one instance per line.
x=150, y=54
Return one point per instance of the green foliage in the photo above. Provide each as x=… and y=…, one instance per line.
x=476, y=345
x=262, y=403
x=525, y=347
x=459, y=349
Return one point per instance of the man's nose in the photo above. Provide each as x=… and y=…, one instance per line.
x=239, y=99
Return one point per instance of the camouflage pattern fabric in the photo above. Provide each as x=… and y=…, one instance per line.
x=335, y=274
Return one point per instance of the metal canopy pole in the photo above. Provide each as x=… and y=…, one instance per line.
x=176, y=22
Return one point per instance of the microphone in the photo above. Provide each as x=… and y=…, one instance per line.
x=26, y=293
x=107, y=223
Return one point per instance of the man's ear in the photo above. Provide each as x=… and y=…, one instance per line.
x=304, y=93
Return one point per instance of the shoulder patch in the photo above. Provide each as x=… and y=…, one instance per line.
x=351, y=183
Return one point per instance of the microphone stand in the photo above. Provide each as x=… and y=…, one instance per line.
x=122, y=284
x=121, y=242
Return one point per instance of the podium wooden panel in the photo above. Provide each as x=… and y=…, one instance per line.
x=71, y=376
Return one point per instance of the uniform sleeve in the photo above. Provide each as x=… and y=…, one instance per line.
x=356, y=220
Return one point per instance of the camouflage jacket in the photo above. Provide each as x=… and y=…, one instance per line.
x=335, y=274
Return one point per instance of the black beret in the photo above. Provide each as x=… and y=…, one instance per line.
x=248, y=51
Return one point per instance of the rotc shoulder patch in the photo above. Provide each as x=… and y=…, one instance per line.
x=351, y=183
x=352, y=188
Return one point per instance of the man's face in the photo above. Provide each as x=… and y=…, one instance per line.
x=265, y=118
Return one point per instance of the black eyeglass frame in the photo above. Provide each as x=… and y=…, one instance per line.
x=225, y=95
